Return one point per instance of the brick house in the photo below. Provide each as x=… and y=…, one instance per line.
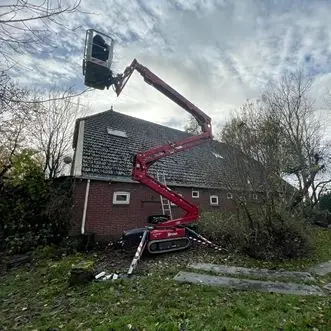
x=108, y=201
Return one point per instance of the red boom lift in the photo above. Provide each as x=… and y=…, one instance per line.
x=162, y=234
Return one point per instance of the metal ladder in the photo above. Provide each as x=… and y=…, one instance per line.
x=165, y=203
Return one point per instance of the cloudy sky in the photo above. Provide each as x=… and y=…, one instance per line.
x=216, y=53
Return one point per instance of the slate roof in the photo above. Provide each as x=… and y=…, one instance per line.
x=106, y=156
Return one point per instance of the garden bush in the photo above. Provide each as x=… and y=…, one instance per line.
x=34, y=211
x=325, y=202
x=259, y=233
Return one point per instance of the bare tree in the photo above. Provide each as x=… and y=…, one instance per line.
x=25, y=26
x=14, y=118
x=256, y=133
x=192, y=126
x=293, y=106
x=9, y=92
x=322, y=181
x=251, y=183
x=31, y=27
x=282, y=133
x=52, y=129
x=35, y=120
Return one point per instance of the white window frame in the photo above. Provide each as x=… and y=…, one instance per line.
x=211, y=198
x=229, y=195
x=117, y=193
x=197, y=194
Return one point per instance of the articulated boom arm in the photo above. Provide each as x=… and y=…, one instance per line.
x=144, y=160
x=150, y=78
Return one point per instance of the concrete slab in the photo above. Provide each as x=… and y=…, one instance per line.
x=321, y=269
x=327, y=287
x=265, y=273
x=246, y=284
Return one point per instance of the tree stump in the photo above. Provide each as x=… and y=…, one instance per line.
x=82, y=273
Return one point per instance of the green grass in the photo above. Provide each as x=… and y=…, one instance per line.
x=39, y=297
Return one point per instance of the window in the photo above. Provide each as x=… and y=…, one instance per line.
x=229, y=196
x=117, y=133
x=195, y=194
x=254, y=196
x=213, y=200
x=121, y=198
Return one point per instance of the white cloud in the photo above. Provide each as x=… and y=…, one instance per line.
x=216, y=53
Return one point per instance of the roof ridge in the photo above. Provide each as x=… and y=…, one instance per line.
x=94, y=115
x=150, y=122
x=135, y=118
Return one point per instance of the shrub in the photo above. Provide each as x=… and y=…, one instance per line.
x=34, y=212
x=325, y=202
x=224, y=229
x=278, y=236
x=318, y=217
x=259, y=233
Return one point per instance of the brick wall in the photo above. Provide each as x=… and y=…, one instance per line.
x=108, y=221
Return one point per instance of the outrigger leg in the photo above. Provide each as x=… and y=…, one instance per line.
x=139, y=252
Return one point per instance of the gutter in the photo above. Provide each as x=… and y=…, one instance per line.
x=122, y=179
x=87, y=191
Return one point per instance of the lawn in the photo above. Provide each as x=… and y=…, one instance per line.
x=38, y=297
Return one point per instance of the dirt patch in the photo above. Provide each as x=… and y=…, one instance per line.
x=114, y=260
x=118, y=261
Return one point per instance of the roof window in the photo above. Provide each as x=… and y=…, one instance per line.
x=117, y=133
